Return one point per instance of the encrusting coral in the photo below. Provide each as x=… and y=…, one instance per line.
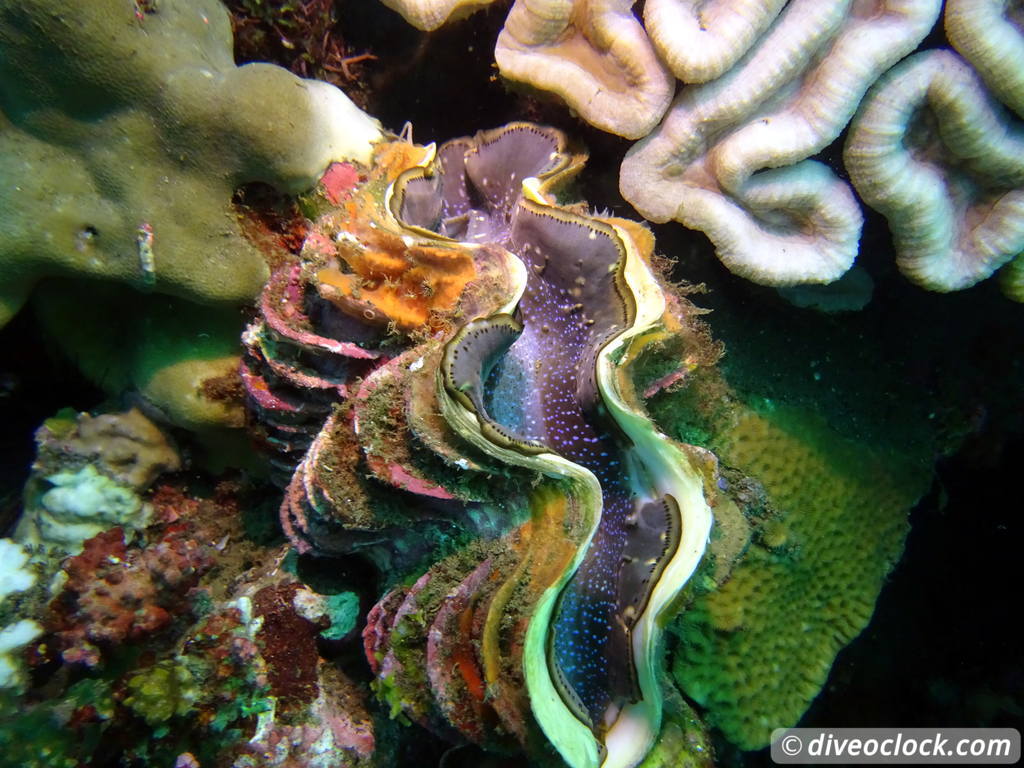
x=755, y=652
x=112, y=596
x=810, y=522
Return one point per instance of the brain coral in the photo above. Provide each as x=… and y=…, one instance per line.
x=941, y=159
x=756, y=651
x=763, y=87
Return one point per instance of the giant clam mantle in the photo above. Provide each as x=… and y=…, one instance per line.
x=453, y=350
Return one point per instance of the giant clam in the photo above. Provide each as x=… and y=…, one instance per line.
x=466, y=342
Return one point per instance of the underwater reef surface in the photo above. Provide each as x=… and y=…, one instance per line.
x=527, y=488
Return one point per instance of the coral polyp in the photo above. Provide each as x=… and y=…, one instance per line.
x=456, y=329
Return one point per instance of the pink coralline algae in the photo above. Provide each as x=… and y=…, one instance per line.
x=338, y=182
x=115, y=595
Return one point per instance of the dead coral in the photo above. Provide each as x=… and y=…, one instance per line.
x=115, y=595
x=127, y=447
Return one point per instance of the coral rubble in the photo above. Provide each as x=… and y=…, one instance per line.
x=16, y=575
x=189, y=644
x=88, y=476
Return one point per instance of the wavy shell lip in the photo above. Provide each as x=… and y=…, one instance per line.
x=624, y=696
x=467, y=363
x=391, y=464
x=452, y=665
x=494, y=164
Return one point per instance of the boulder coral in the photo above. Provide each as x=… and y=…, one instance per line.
x=935, y=150
x=124, y=133
x=988, y=34
x=127, y=446
x=180, y=357
x=125, y=129
x=431, y=14
x=701, y=41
